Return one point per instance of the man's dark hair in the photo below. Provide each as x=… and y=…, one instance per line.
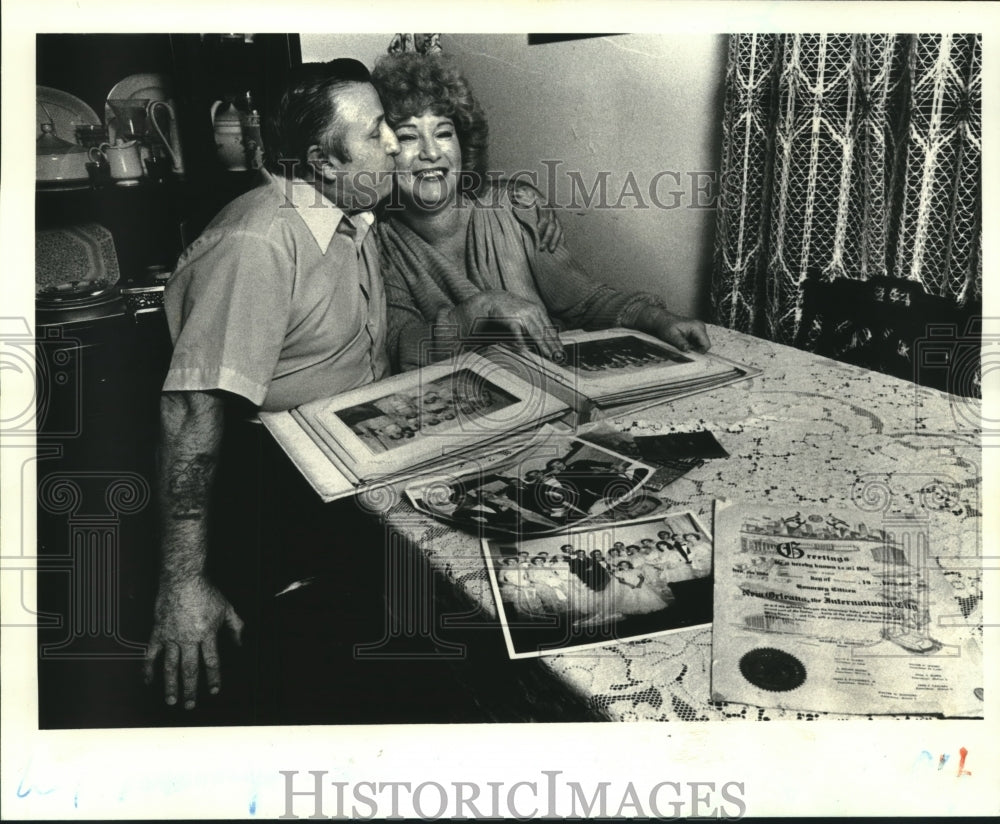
x=308, y=114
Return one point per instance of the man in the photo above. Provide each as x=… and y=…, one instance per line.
x=590, y=481
x=589, y=569
x=278, y=302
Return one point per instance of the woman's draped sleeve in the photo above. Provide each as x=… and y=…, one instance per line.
x=501, y=254
x=571, y=296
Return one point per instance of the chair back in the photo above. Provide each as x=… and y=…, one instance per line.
x=893, y=326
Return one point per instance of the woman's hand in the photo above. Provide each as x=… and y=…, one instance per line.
x=550, y=231
x=527, y=321
x=684, y=333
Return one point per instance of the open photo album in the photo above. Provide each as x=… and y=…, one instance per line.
x=483, y=404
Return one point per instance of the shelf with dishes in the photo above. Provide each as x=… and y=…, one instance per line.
x=139, y=139
x=115, y=207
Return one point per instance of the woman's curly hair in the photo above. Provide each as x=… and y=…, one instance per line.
x=411, y=84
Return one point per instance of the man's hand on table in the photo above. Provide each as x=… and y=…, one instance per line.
x=685, y=333
x=187, y=620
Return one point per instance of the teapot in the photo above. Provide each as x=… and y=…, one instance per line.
x=228, y=126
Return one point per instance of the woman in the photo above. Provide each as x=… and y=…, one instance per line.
x=456, y=254
x=548, y=586
x=633, y=597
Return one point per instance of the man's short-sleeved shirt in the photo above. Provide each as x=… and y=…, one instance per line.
x=279, y=301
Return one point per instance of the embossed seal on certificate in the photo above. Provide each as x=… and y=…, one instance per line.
x=773, y=669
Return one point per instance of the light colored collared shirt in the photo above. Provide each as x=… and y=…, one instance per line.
x=279, y=301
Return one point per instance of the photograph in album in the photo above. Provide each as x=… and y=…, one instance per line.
x=623, y=367
x=600, y=584
x=436, y=407
x=425, y=416
x=626, y=355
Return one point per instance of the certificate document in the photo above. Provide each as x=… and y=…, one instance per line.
x=846, y=612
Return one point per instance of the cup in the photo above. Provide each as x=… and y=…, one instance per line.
x=123, y=158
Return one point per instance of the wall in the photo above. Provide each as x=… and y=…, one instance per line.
x=638, y=103
x=367, y=48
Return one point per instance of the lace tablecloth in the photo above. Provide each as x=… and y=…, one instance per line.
x=808, y=430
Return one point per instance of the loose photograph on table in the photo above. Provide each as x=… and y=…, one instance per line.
x=595, y=585
x=558, y=483
x=667, y=468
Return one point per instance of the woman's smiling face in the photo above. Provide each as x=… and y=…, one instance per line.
x=429, y=160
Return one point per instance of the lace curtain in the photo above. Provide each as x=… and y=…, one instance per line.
x=847, y=156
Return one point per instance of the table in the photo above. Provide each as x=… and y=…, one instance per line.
x=808, y=430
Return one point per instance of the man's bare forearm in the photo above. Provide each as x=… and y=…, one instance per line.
x=191, y=426
x=189, y=610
